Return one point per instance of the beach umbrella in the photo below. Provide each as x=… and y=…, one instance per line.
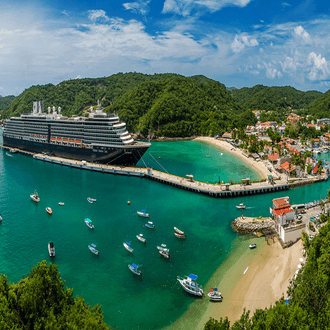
x=299, y=266
x=301, y=260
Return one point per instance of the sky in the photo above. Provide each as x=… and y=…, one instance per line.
x=239, y=43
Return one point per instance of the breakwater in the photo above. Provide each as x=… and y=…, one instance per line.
x=252, y=224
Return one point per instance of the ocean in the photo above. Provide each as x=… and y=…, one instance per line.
x=153, y=300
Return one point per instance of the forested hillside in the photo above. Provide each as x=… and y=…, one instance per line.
x=5, y=101
x=266, y=98
x=320, y=108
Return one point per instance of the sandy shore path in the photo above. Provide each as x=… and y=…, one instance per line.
x=260, y=167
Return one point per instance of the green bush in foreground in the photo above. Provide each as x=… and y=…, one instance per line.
x=41, y=301
x=309, y=296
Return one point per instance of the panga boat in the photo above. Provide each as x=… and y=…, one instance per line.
x=88, y=222
x=60, y=203
x=89, y=200
x=179, y=231
x=141, y=238
x=190, y=285
x=134, y=269
x=179, y=235
x=35, y=197
x=49, y=210
x=215, y=295
x=240, y=206
x=150, y=225
x=161, y=247
x=127, y=246
x=252, y=246
x=143, y=213
x=0, y=218
x=92, y=248
x=165, y=253
x=51, y=249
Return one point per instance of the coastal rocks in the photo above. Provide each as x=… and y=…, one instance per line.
x=250, y=224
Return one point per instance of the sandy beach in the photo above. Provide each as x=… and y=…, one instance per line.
x=260, y=167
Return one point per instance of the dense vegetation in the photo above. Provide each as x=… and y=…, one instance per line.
x=266, y=98
x=41, y=301
x=309, y=296
x=5, y=101
x=320, y=108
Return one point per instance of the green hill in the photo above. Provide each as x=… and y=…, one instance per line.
x=320, y=108
x=266, y=98
x=5, y=101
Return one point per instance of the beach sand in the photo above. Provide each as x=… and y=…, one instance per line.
x=260, y=167
x=269, y=271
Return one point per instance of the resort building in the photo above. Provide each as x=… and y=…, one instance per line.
x=286, y=225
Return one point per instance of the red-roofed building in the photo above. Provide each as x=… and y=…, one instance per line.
x=286, y=168
x=273, y=157
x=315, y=169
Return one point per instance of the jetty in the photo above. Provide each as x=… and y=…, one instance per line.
x=224, y=190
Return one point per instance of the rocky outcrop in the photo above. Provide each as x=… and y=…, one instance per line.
x=250, y=225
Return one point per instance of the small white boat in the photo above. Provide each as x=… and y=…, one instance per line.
x=60, y=203
x=179, y=231
x=240, y=206
x=179, y=235
x=89, y=223
x=89, y=200
x=0, y=218
x=92, y=248
x=49, y=210
x=150, y=225
x=35, y=197
x=190, y=285
x=127, y=246
x=134, y=269
x=215, y=295
x=141, y=238
x=92, y=199
x=165, y=253
x=51, y=249
x=252, y=246
x=143, y=213
x=8, y=154
x=161, y=247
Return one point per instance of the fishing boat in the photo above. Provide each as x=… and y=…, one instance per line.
x=89, y=200
x=92, y=248
x=190, y=285
x=92, y=199
x=240, y=206
x=143, y=213
x=161, y=247
x=134, y=269
x=215, y=295
x=51, y=249
x=150, y=225
x=165, y=253
x=141, y=238
x=127, y=246
x=8, y=154
x=179, y=231
x=35, y=197
x=49, y=210
x=89, y=223
x=252, y=246
x=60, y=203
x=179, y=235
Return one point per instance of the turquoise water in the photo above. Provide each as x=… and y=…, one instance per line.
x=154, y=300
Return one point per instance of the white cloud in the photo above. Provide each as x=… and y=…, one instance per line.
x=301, y=33
x=272, y=72
x=140, y=7
x=65, y=13
x=240, y=42
x=320, y=69
x=285, y=4
x=95, y=15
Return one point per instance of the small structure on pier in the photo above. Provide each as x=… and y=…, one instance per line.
x=190, y=177
x=225, y=186
x=246, y=181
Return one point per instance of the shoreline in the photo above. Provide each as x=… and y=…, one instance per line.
x=259, y=167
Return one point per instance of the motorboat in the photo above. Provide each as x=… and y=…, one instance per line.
x=215, y=295
x=150, y=225
x=51, y=249
x=127, y=246
x=134, y=269
x=49, y=210
x=60, y=203
x=92, y=248
x=161, y=247
x=240, y=206
x=141, y=238
x=165, y=253
x=13, y=151
x=179, y=235
x=190, y=285
x=92, y=199
x=8, y=154
x=89, y=200
x=89, y=223
x=252, y=246
x=179, y=231
x=0, y=218
x=35, y=197
x=143, y=213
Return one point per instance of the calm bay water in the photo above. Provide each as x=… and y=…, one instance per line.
x=128, y=302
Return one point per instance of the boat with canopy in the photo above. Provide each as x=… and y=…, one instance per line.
x=190, y=285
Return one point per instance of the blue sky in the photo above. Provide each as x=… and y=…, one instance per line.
x=240, y=43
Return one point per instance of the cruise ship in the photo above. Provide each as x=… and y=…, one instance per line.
x=98, y=137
